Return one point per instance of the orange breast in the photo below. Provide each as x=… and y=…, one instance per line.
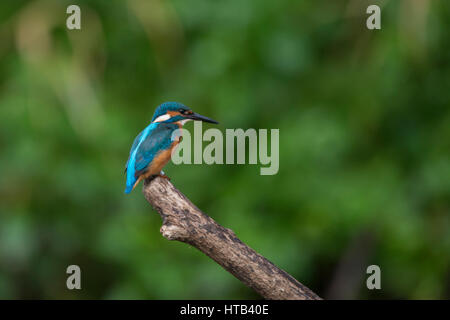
x=160, y=160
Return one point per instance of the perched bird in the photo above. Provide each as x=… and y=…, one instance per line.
x=152, y=148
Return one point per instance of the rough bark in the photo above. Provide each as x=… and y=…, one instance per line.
x=183, y=221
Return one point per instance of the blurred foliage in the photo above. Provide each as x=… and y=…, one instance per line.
x=364, y=123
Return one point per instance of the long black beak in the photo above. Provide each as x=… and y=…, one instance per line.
x=196, y=116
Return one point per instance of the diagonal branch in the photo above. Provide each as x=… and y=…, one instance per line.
x=184, y=222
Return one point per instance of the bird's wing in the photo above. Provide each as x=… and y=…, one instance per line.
x=133, y=147
x=157, y=140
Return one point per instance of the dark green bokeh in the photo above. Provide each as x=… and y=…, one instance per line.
x=364, y=123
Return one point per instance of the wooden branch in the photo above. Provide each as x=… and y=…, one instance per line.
x=184, y=222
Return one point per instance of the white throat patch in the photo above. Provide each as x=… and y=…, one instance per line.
x=182, y=122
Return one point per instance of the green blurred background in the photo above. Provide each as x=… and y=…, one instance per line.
x=364, y=123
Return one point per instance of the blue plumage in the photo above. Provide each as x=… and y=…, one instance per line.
x=151, y=148
x=168, y=106
x=131, y=163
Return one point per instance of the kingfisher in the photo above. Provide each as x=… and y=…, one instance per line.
x=153, y=146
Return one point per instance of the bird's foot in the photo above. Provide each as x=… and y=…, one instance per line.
x=163, y=175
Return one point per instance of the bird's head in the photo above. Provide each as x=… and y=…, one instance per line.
x=174, y=112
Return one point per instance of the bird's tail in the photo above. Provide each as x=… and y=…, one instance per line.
x=128, y=188
x=132, y=184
